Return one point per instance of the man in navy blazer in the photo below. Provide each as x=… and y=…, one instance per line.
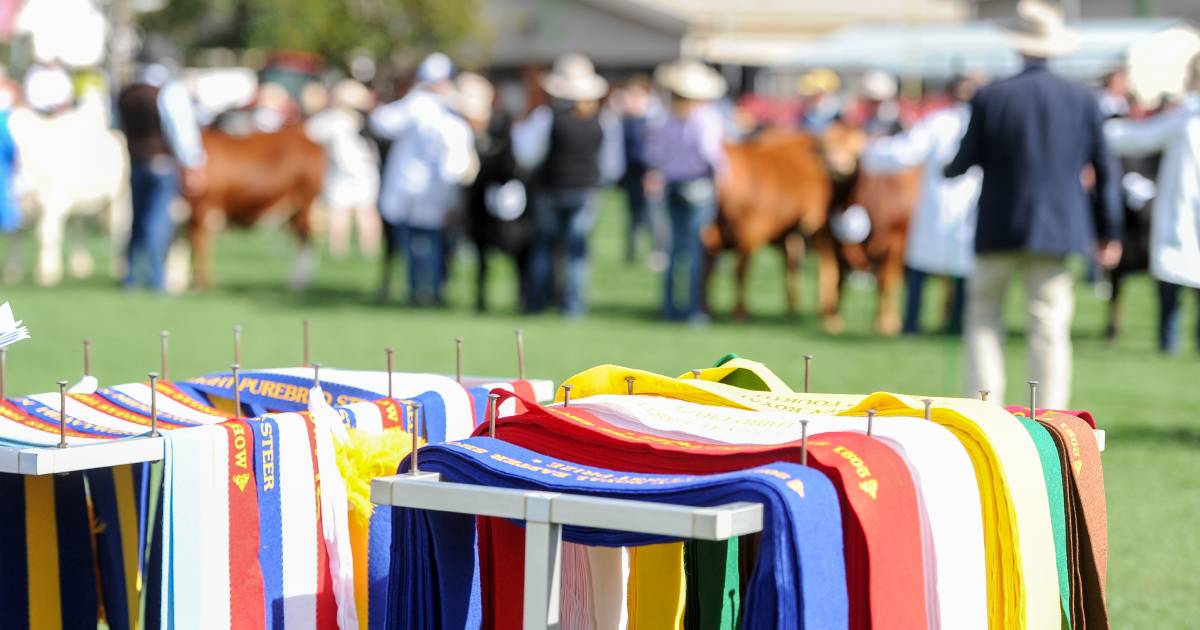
x=1034, y=135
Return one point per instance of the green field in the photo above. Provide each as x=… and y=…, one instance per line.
x=1148, y=404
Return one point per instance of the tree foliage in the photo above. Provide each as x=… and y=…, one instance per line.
x=330, y=28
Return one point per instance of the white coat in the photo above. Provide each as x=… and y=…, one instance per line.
x=941, y=235
x=431, y=157
x=1175, y=217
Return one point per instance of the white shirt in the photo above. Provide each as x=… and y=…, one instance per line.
x=352, y=166
x=1175, y=219
x=941, y=235
x=179, y=124
x=531, y=142
x=432, y=153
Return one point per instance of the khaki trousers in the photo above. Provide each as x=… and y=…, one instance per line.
x=1050, y=306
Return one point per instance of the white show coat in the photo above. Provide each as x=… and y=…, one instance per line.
x=1175, y=219
x=941, y=235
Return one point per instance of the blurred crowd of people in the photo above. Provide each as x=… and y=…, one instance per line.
x=1016, y=176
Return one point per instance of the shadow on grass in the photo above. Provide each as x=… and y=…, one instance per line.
x=1188, y=437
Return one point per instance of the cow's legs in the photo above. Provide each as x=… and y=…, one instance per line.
x=201, y=235
x=1113, y=330
x=793, y=255
x=80, y=263
x=828, y=282
x=305, y=266
x=890, y=278
x=743, y=266
x=481, y=274
x=50, y=245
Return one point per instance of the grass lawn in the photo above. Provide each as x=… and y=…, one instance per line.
x=1149, y=404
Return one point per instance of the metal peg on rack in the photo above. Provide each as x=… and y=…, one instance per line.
x=87, y=357
x=153, y=404
x=983, y=394
x=162, y=345
x=566, y=395
x=808, y=358
x=3, y=372
x=928, y=408
x=389, y=352
x=237, y=394
x=304, y=355
x=414, y=413
x=804, y=442
x=493, y=410
x=1033, y=385
x=696, y=374
x=520, y=354
x=458, y=359
x=629, y=384
x=870, y=422
x=62, y=414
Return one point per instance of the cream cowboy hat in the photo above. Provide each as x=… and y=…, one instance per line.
x=574, y=78
x=1040, y=31
x=352, y=94
x=691, y=80
x=878, y=85
x=473, y=96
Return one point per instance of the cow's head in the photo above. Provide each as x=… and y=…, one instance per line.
x=841, y=146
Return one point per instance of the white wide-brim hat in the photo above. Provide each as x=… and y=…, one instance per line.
x=574, y=78
x=691, y=80
x=1040, y=31
x=878, y=85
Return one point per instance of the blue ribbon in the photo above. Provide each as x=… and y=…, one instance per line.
x=798, y=581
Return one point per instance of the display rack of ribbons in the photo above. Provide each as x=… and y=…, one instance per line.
x=878, y=511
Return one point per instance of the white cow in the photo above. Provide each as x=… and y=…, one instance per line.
x=72, y=164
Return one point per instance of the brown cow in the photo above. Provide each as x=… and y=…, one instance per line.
x=777, y=191
x=889, y=201
x=245, y=178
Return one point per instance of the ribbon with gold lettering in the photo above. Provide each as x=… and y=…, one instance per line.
x=798, y=582
x=884, y=560
x=1022, y=576
x=1086, y=514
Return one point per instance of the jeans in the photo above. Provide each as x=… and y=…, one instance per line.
x=1051, y=305
x=565, y=217
x=914, y=286
x=1168, y=317
x=639, y=214
x=691, y=206
x=153, y=186
x=426, y=257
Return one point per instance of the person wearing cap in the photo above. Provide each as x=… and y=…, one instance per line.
x=685, y=153
x=1175, y=217
x=1032, y=135
x=165, y=153
x=941, y=234
x=432, y=152
x=351, y=168
x=820, y=100
x=573, y=146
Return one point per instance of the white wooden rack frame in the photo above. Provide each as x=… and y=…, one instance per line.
x=545, y=514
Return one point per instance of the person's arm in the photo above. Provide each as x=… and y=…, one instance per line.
x=1109, y=217
x=180, y=126
x=902, y=151
x=712, y=142
x=531, y=138
x=612, y=148
x=969, y=146
x=1139, y=138
x=389, y=120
